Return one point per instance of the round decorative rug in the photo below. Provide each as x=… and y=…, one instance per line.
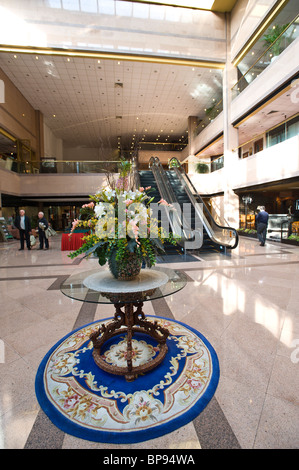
x=84, y=401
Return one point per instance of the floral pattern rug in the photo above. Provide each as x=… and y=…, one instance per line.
x=84, y=401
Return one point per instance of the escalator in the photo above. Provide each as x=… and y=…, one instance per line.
x=215, y=236
x=176, y=188
x=146, y=179
x=182, y=198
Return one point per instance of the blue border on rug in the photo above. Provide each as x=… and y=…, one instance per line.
x=124, y=437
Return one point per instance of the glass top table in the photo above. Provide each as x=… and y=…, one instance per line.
x=99, y=286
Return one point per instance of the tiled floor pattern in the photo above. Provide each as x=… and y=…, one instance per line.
x=245, y=304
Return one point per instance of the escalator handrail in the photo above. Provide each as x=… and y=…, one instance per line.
x=180, y=172
x=168, y=195
x=136, y=178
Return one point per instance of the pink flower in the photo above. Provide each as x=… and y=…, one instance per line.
x=74, y=224
x=135, y=229
x=122, y=183
x=128, y=201
x=148, y=187
x=90, y=205
x=141, y=189
x=164, y=203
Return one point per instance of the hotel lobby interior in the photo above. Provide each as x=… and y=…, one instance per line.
x=200, y=351
x=246, y=305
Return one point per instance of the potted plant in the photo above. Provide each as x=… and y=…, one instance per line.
x=293, y=239
x=247, y=232
x=122, y=230
x=273, y=38
x=173, y=163
x=202, y=168
x=212, y=112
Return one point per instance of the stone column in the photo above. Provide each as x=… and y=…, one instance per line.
x=230, y=140
x=192, y=123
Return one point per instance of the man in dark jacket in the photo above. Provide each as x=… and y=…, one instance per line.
x=22, y=222
x=42, y=226
x=261, y=224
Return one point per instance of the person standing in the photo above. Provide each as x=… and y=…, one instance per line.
x=261, y=224
x=22, y=223
x=42, y=226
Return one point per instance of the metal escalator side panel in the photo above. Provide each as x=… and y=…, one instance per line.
x=221, y=235
x=173, y=213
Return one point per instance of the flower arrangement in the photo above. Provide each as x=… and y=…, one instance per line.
x=122, y=227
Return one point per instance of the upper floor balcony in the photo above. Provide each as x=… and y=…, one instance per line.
x=267, y=49
x=274, y=163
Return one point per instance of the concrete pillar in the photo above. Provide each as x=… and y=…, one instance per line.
x=230, y=140
x=192, y=124
x=39, y=126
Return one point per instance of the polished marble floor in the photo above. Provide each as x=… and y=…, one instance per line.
x=245, y=304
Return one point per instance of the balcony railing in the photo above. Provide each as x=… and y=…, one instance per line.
x=210, y=114
x=287, y=36
x=204, y=166
x=51, y=165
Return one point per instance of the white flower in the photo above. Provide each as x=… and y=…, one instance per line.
x=100, y=210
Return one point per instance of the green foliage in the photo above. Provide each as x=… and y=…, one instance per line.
x=212, y=112
x=294, y=237
x=124, y=167
x=272, y=38
x=202, y=168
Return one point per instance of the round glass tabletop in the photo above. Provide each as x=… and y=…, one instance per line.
x=99, y=286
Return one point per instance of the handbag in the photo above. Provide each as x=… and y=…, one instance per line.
x=49, y=232
x=32, y=240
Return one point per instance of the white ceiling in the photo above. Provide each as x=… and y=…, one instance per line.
x=90, y=103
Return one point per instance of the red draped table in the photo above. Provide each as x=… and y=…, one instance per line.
x=72, y=242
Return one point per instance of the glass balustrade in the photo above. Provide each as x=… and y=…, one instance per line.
x=51, y=165
x=277, y=39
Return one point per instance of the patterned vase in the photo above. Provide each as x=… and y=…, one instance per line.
x=129, y=271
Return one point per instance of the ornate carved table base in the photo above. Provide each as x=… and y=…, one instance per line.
x=129, y=321
x=99, y=286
